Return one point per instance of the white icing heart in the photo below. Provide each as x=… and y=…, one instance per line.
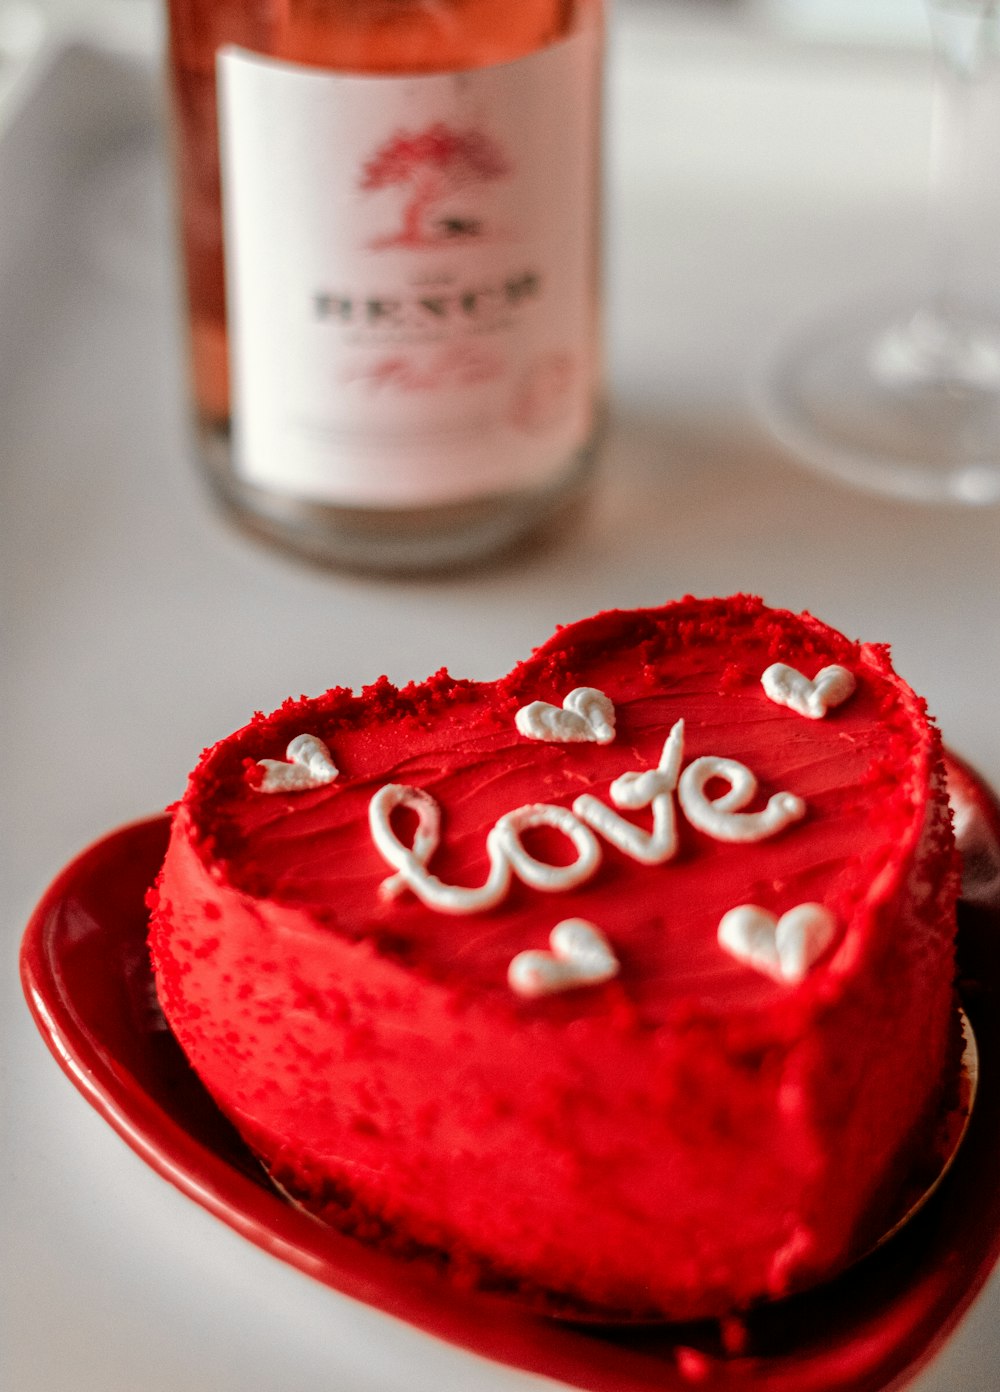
x=585, y=715
x=310, y=766
x=784, y=948
x=830, y=687
x=581, y=956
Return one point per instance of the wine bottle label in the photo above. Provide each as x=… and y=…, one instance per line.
x=411, y=270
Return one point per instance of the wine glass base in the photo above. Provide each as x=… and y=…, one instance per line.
x=874, y=399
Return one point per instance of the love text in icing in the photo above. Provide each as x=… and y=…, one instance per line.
x=579, y=955
x=652, y=788
x=721, y=818
x=811, y=697
x=507, y=855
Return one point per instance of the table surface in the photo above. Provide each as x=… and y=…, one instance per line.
x=751, y=178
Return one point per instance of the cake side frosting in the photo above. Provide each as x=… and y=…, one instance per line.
x=695, y=1130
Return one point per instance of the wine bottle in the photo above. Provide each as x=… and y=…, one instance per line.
x=389, y=214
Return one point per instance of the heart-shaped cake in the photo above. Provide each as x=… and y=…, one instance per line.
x=626, y=979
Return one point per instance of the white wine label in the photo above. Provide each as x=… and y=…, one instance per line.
x=411, y=270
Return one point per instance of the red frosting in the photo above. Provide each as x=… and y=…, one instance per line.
x=684, y=1139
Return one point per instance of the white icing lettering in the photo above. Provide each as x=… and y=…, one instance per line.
x=830, y=687
x=411, y=862
x=309, y=766
x=585, y=715
x=581, y=956
x=536, y=873
x=650, y=788
x=784, y=948
x=722, y=817
x=506, y=851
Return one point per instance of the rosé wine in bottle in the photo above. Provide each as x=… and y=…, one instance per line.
x=390, y=214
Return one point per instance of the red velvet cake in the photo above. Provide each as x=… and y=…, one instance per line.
x=626, y=978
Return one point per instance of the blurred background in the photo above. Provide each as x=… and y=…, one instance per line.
x=24, y=23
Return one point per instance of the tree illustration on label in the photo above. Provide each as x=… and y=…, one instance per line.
x=434, y=165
